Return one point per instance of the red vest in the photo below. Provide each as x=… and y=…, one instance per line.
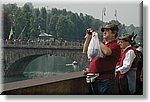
x=123, y=55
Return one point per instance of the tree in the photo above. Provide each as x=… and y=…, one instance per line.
x=35, y=31
x=10, y=12
x=6, y=26
x=64, y=28
x=61, y=23
x=43, y=18
x=61, y=27
x=54, y=11
x=19, y=22
x=52, y=24
x=27, y=10
x=96, y=24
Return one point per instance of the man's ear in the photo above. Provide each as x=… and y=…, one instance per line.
x=115, y=34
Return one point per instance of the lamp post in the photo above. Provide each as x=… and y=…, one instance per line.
x=116, y=14
x=103, y=14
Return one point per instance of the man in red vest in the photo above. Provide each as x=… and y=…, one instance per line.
x=104, y=67
x=127, y=65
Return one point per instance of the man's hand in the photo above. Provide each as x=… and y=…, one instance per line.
x=116, y=71
x=85, y=71
x=90, y=31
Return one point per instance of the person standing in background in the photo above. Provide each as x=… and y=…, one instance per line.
x=127, y=65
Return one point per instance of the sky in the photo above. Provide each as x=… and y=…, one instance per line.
x=128, y=12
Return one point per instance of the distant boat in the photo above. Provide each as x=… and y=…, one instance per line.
x=72, y=64
x=45, y=35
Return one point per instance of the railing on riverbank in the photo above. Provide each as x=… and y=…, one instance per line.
x=67, y=84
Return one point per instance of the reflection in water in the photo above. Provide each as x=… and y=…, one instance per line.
x=47, y=66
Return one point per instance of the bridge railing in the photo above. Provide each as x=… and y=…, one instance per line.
x=42, y=44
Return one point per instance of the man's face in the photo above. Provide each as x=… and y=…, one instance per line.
x=107, y=34
x=123, y=44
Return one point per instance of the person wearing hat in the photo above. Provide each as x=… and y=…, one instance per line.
x=127, y=65
x=104, y=67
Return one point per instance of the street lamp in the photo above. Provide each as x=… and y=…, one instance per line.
x=103, y=13
x=116, y=14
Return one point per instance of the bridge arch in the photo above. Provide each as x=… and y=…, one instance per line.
x=16, y=57
x=18, y=67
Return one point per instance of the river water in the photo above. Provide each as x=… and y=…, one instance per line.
x=48, y=66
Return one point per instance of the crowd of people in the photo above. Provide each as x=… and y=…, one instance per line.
x=120, y=69
x=42, y=43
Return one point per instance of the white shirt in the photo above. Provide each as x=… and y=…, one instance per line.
x=127, y=62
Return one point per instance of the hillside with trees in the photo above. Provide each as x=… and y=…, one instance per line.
x=60, y=23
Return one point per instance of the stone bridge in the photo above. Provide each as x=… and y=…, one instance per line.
x=14, y=57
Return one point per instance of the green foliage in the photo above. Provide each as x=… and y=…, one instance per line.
x=62, y=24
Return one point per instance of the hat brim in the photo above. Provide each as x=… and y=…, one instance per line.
x=102, y=29
x=120, y=39
x=125, y=39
